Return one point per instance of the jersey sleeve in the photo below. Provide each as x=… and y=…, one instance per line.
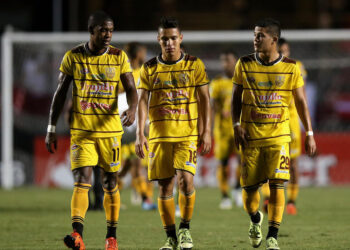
x=200, y=74
x=237, y=76
x=124, y=64
x=302, y=69
x=67, y=64
x=298, y=80
x=143, y=82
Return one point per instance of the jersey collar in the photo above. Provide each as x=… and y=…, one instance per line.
x=86, y=46
x=257, y=58
x=160, y=60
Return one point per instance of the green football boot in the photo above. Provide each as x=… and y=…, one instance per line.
x=185, y=239
x=170, y=244
x=271, y=244
x=255, y=234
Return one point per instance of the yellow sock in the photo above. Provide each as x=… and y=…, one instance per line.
x=186, y=204
x=222, y=177
x=111, y=203
x=292, y=192
x=276, y=203
x=265, y=191
x=166, y=207
x=251, y=200
x=79, y=202
x=149, y=190
x=140, y=185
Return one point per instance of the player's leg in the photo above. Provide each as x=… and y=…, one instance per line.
x=237, y=190
x=110, y=161
x=83, y=157
x=265, y=191
x=185, y=163
x=251, y=177
x=278, y=162
x=292, y=187
x=222, y=174
x=166, y=207
x=97, y=188
x=160, y=167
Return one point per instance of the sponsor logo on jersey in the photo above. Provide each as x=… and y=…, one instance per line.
x=272, y=97
x=114, y=164
x=110, y=72
x=175, y=95
x=87, y=105
x=96, y=87
x=170, y=82
x=166, y=111
x=254, y=115
x=183, y=78
x=84, y=71
x=279, y=80
x=265, y=84
x=99, y=76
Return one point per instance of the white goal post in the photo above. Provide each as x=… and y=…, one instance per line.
x=9, y=38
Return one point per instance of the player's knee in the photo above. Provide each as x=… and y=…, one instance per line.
x=165, y=187
x=82, y=175
x=185, y=183
x=110, y=181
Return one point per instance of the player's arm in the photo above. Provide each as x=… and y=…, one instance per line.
x=205, y=113
x=240, y=134
x=128, y=116
x=57, y=105
x=141, y=121
x=303, y=112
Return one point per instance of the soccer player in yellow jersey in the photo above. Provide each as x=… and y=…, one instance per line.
x=137, y=55
x=96, y=69
x=221, y=92
x=264, y=86
x=168, y=91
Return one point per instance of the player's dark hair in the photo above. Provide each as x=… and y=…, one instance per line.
x=97, y=18
x=169, y=23
x=133, y=48
x=274, y=26
x=229, y=52
x=282, y=41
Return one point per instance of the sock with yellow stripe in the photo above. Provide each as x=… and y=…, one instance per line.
x=139, y=183
x=275, y=207
x=292, y=192
x=111, y=203
x=251, y=200
x=166, y=208
x=186, y=205
x=79, y=206
x=222, y=177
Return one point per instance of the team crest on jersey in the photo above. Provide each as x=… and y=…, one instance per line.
x=193, y=145
x=110, y=72
x=151, y=155
x=75, y=152
x=84, y=71
x=183, y=78
x=115, y=142
x=279, y=81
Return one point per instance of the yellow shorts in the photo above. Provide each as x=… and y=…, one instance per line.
x=260, y=164
x=104, y=152
x=295, y=144
x=224, y=147
x=165, y=157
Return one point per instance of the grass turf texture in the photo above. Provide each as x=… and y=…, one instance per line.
x=34, y=218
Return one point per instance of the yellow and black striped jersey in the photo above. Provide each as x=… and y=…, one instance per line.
x=173, y=110
x=95, y=90
x=221, y=92
x=267, y=94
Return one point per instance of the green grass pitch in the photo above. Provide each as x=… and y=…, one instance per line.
x=33, y=218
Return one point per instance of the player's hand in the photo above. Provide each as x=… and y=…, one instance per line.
x=128, y=117
x=205, y=143
x=141, y=141
x=310, y=146
x=49, y=140
x=241, y=137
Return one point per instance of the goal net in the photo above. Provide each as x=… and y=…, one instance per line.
x=30, y=63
